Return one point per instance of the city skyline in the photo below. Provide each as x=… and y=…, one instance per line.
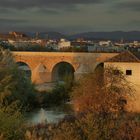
x=69, y=16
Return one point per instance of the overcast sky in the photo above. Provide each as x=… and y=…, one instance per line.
x=69, y=16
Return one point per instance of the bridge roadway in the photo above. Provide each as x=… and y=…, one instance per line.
x=43, y=64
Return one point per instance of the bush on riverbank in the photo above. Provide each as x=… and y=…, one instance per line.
x=88, y=127
x=59, y=95
x=11, y=122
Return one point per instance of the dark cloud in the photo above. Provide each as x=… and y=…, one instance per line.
x=130, y=5
x=43, y=3
x=4, y=10
x=47, y=11
x=69, y=15
x=135, y=23
x=11, y=21
x=10, y=24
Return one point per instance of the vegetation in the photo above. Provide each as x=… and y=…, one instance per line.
x=103, y=91
x=34, y=48
x=13, y=83
x=11, y=122
x=99, y=100
x=100, y=103
x=58, y=96
x=16, y=95
x=6, y=45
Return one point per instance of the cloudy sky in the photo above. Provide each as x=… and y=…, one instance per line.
x=69, y=16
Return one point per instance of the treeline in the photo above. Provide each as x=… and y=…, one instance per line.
x=32, y=48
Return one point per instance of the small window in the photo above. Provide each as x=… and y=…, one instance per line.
x=128, y=72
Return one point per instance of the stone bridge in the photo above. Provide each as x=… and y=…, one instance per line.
x=44, y=66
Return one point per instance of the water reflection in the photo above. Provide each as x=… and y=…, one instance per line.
x=51, y=115
x=42, y=115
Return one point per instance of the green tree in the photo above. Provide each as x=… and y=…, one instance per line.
x=16, y=93
x=13, y=83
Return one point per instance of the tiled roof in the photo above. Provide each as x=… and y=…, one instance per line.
x=126, y=56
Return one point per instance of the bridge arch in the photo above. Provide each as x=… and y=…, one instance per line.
x=24, y=67
x=61, y=70
x=99, y=71
x=99, y=67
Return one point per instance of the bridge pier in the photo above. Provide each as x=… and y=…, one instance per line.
x=77, y=76
x=41, y=78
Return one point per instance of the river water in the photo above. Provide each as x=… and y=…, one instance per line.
x=49, y=115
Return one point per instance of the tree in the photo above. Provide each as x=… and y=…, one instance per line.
x=16, y=93
x=13, y=83
x=101, y=99
x=105, y=90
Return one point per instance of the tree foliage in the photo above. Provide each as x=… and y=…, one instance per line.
x=99, y=101
x=13, y=83
x=11, y=122
x=16, y=93
x=103, y=91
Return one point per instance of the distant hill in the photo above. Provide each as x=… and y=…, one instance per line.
x=45, y=35
x=116, y=35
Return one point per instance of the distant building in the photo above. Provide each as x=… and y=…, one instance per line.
x=5, y=37
x=18, y=34
x=97, y=48
x=105, y=43
x=19, y=43
x=63, y=43
x=129, y=63
x=14, y=36
x=93, y=48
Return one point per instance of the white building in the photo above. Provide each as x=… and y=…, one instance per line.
x=129, y=63
x=63, y=43
x=19, y=43
x=105, y=43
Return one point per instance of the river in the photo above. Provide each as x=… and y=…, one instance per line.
x=49, y=115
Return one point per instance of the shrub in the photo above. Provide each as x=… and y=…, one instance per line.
x=11, y=122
